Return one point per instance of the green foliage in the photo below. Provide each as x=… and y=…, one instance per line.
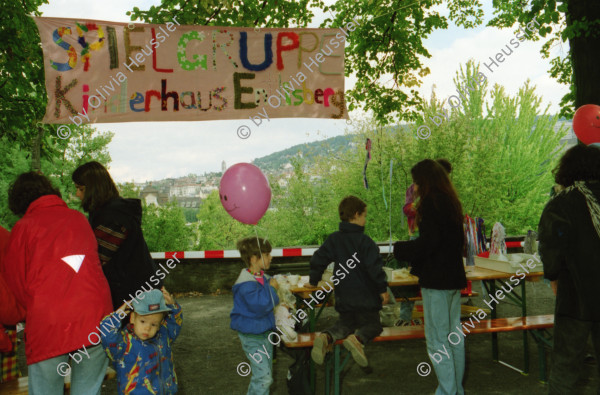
x=25, y=142
x=13, y=162
x=309, y=151
x=22, y=88
x=84, y=145
x=560, y=25
x=301, y=212
x=217, y=229
x=164, y=228
x=128, y=190
x=190, y=214
x=387, y=41
x=502, y=158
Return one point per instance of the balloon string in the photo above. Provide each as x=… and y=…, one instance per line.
x=262, y=259
x=391, y=167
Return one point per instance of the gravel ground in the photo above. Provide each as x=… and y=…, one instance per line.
x=207, y=353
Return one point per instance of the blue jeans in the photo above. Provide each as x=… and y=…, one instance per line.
x=86, y=376
x=406, y=310
x=441, y=310
x=262, y=365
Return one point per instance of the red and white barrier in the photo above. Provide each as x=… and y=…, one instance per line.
x=276, y=252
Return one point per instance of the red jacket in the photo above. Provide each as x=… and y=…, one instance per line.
x=64, y=302
x=10, y=311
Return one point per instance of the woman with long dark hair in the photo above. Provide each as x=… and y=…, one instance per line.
x=51, y=265
x=569, y=234
x=117, y=224
x=437, y=259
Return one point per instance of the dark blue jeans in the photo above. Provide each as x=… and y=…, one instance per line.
x=570, y=343
x=366, y=325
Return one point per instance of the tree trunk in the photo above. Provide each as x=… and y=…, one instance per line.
x=36, y=149
x=585, y=52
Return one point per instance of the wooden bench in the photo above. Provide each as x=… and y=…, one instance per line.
x=535, y=325
x=21, y=385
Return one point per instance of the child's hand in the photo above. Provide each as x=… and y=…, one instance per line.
x=274, y=283
x=385, y=297
x=124, y=308
x=168, y=298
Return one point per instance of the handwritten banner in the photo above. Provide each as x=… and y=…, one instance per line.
x=98, y=71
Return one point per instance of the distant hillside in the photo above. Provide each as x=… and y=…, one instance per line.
x=276, y=160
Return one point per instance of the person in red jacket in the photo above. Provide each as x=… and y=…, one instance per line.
x=10, y=313
x=51, y=264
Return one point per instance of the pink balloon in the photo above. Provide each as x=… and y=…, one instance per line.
x=245, y=193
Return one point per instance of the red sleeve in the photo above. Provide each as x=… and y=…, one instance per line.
x=11, y=312
x=13, y=264
x=4, y=236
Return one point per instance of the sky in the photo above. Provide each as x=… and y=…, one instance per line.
x=145, y=151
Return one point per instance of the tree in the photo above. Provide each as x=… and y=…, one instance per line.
x=164, y=228
x=191, y=215
x=129, y=190
x=302, y=211
x=22, y=83
x=388, y=40
x=217, y=229
x=575, y=20
x=502, y=156
x=84, y=145
x=25, y=143
x=502, y=160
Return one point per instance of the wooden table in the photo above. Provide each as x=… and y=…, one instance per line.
x=488, y=279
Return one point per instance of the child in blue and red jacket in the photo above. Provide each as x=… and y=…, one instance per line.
x=144, y=346
x=254, y=298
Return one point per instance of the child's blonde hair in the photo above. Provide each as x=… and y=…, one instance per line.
x=249, y=247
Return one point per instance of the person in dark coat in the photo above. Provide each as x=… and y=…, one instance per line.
x=569, y=235
x=436, y=258
x=117, y=224
x=359, y=280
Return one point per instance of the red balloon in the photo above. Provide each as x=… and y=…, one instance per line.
x=586, y=123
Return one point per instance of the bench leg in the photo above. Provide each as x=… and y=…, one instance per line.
x=525, y=339
x=313, y=381
x=491, y=291
x=542, y=343
x=337, y=370
x=328, y=371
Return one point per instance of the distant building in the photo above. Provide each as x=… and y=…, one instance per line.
x=185, y=190
x=188, y=202
x=151, y=195
x=206, y=190
x=223, y=167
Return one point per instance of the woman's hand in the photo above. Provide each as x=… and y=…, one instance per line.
x=385, y=298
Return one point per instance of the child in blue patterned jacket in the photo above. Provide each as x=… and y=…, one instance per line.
x=254, y=298
x=141, y=352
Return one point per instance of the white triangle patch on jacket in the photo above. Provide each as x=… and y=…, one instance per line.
x=74, y=261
